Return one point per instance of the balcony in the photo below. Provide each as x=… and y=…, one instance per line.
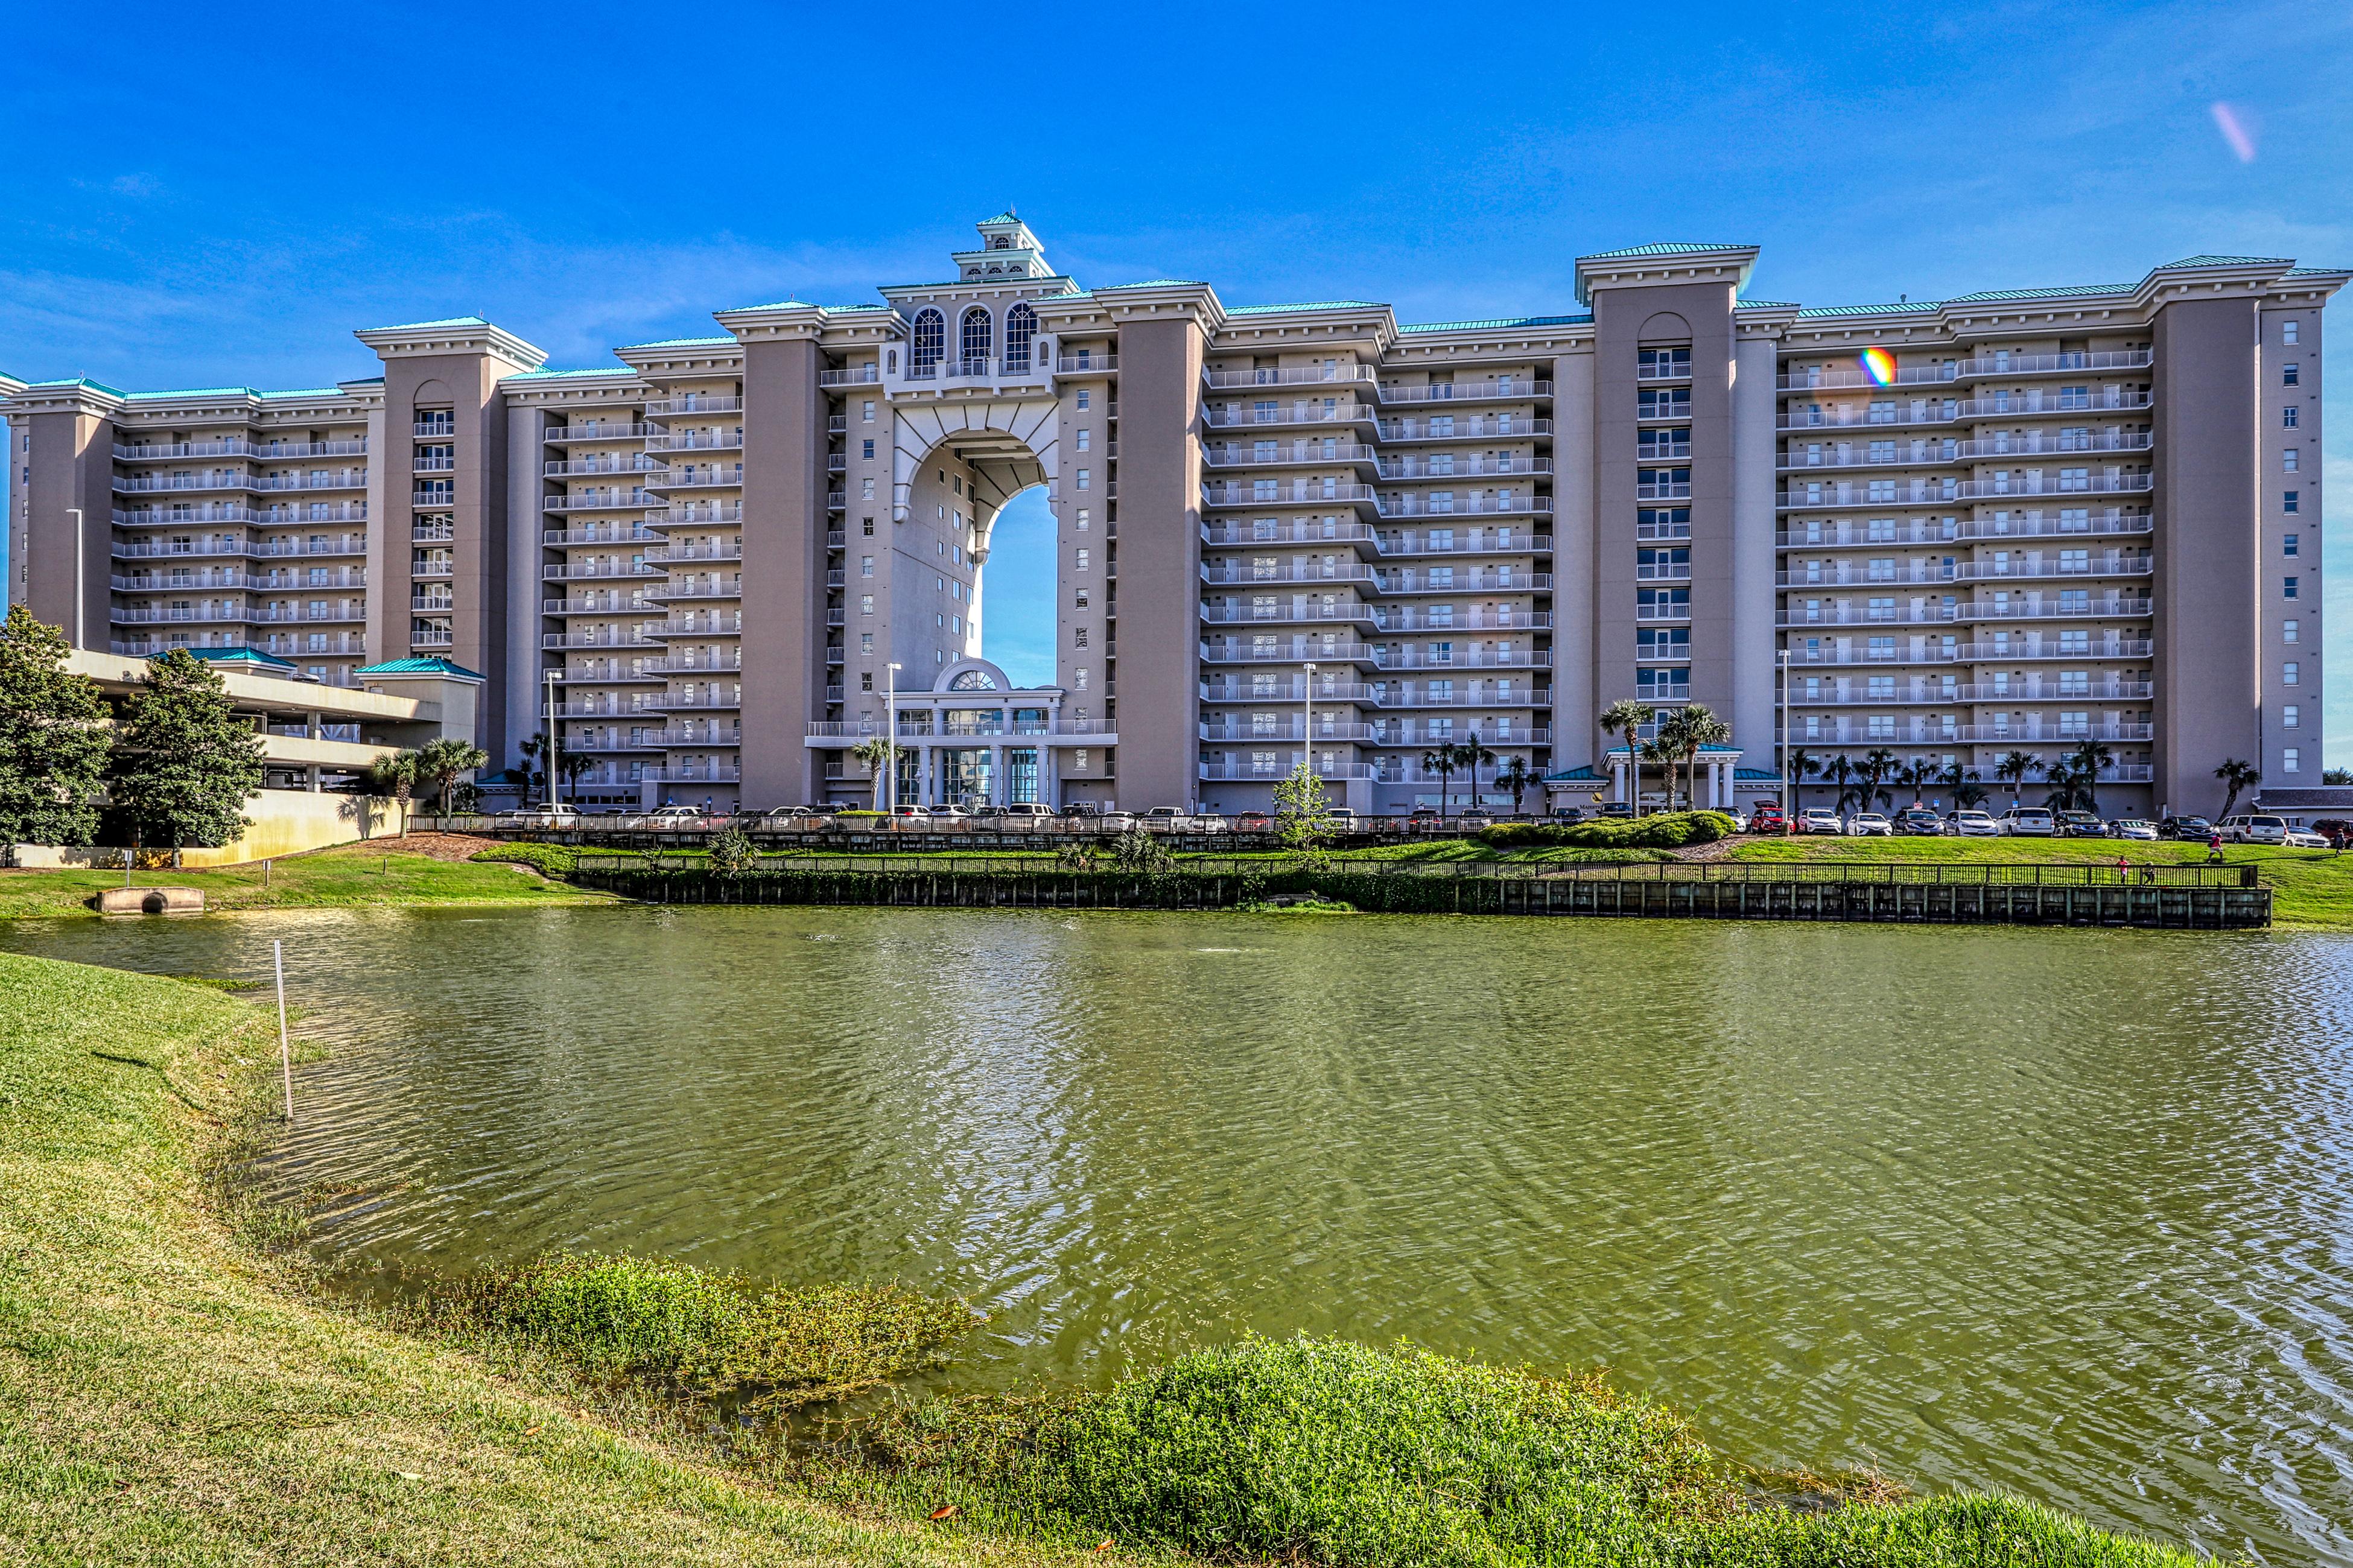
x=1285, y=531
x=695, y=441
x=1346, y=411
x=593, y=571
x=1463, y=580
x=225, y=479
x=1406, y=733
x=1498, y=390
x=2003, y=405
x=1271, y=577
x=1285, y=688
x=2092, y=566
x=694, y=701
x=691, y=773
x=607, y=637
x=1231, y=730
x=1838, y=375
x=713, y=624
x=179, y=581
x=602, y=533
x=232, y=447
x=1472, y=541
x=2028, y=733
x=1677, y=490
x=674, y=552
x=1890, y=454
x=1398, y=618
x=2054, y=692
x=696, y=661
x=614, y=499
x=1270, y=454
x=442, y=428
x=2032, y=606
x=703, y=403
x=1930, y=652
x=1277, y=493
x=710, y=736
x=432, y=499
x=1296, y=610
x=1291, y=650
x=610, y=463
x=424, y=465
x=2033, y=522
x=676, y=588
x=691, y=476
x=1460, y=658
x=849, y=375
x=1508, y=505
x=1925, y=492
x=1087, y=363
x=1450, y=467
x=1246, y=770
x=343, y=479
x=1293, y=375
x=608, y=742
x=1670, y=572
x=579, y=434
x=683, y=513
x=1465, y=427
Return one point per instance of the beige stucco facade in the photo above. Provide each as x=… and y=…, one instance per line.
x=2022, y=521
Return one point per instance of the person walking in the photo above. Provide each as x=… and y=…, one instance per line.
x=2214, y=846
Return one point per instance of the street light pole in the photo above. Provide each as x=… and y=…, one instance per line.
x=1786, y=806
x=553, y=773
x=1307, y=724
x=891, y=735
x=75, y=512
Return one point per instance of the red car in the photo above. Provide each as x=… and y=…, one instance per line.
x=1767, y=819
x=1252, y=822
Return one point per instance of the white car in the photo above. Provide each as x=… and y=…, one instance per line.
x=954, y=812
x=2028, y=821
x=557, y=815
x=2134, y=827
x=1113, y=821
x=1870, y=825
x=1973, y=824
x=1820, y=819
x=668, y=817
x=2252, y=829
x=2305, y=838
x=1210, y=822
x=1166, y=819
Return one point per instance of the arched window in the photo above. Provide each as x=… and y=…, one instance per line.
x=973, y=680
x=974, y=341
x=931, y=337
x=1020, y=330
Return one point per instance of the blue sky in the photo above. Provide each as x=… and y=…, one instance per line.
x=191, y=205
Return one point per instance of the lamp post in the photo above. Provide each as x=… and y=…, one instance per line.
x=1786, y=806
x=75, y=512
x=555, y=773
x=1307, y=723
x=890, y=733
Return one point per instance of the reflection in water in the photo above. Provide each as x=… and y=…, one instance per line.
x=2060, y=1212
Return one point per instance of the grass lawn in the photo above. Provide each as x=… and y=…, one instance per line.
x=2312, y=889
x=352, y=876
x=168, y=1396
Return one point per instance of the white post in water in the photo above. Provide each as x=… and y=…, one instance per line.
x=285, y=1055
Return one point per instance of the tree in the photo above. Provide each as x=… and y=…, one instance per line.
x=184, y=764
x=395, y=777
x=1472, y=755
x=1440, y=760
x=1516, y=775
x=439, y=762
x=2239, y=777
x=1304, y=814
x=733, y=853
x=1651, y=751
x=1140, y=849
x=2067, y=784
x=1801, y=765
x=53, y=738
x=2336, y=776
x=569, y=764
x=878, y=754
x=2012, y=770
x=1626, y=717
x=1878, y=764
x=1695, y=726
x=1842, y=771
x=2087, y=762
x=1963, y=781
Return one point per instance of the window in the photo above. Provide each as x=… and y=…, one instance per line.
x=1021, y=333
x=2288, y=502
x=868, y=453
x=866, y=642
x=1083, y=558
x=2289, y=673
x=868, y=528
x=2289, y=760
x=1082, y=525
x=2288, y=457
x=1083, y=399
x=2287, y=544
x=1084, y=479
x=866, y=412
x=1086, y=442
x=2288, y=374
x=2289, y=629
x=2289, y=716
x=866, y=490
x=2287, y=587
x=975, y=335
x=865, y=604
x=931, y=340
x=865, y=680
x=2287, y=331
x=866, y=566
x=2288, y=416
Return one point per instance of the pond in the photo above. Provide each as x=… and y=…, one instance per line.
x=2063, y=1211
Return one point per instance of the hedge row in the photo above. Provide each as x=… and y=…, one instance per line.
x=1668, y=831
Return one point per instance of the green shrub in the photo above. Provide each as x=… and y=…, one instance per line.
x=856, y=814
x=1668, y=831
x=712, y=1332
x=733, y=853
x=1327, y=1452
x=547, y=859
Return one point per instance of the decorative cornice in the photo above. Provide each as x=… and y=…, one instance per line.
x=1653, y=267
x=460, y=335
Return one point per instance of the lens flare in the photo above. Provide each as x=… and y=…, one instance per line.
x=1880, y=366
x=2235, y=131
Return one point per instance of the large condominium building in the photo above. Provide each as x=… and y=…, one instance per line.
x=2021, y=520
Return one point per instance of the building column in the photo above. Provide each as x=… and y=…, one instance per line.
x=997, y=775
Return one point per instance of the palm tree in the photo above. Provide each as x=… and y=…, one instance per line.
x=1963, y=783
x=1878, y=764
x=395, y=775
x=1627, y=716
x=2064, y=783
x=1440, y=760
x=2239, y=777
x=2012, y=770
x=439, y=762
x=1801, y=765
x=1695, y=728
x=1472, y=755
x=1841, y=771
x=1516, y=776
x=877, y=755
x=2087, y=762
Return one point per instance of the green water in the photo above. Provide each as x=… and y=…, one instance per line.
x=2061, y=1212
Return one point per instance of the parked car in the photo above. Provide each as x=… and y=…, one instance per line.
x=1472, y=821
x=1972, y=824
x=1820, y=819
x=951, y=812
x=2184, y=827
x=1919, y=821
x=2305, y=838
x=1023, y=814
x=2335, y=829
x=1766, y=819
x=1615, y=808
x=1252, y=822
x=1870, y=825
x=1208, y=822
x=920, y=811
x=1114, y=821
x=1343, y=818
x=668, y=817
x=788, y=815
x=2028, y=821
x=2132, y=827
x=1425, y=819
x=2253, y=829
x=1568, y=813
x=1166, y=819
x=2081, y=824
x=557, y=815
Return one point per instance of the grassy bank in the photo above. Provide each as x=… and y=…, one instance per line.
x=2312, y=889
x=379, y=874
x=167, y=1397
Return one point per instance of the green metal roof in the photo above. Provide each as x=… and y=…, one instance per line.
x=1581, y=774
x=435, y=666
x=1007, y=216
x=78, y=381
x=1897, y=310
x=559, y=374
x=2061, y=291
x=1305, y=305
x=1500, y=322
x=445, y=321
x=1667, y=247
x=689, y=342
x=2228, y=261
x=228, y=656
x=1754, y=776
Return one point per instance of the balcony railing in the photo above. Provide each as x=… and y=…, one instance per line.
x=1812, y=377
x=611, y=463
x=1946, y=411
x=1289, y=375
x=1462, y=659
x=577, y=435
x=1922, y=492
x=1234, y=772
x=704, y=403
x=1445, y=468
x=1347, y=412
x=1234, y=455
x=601, y=533
x=1501, y=389
x=848, y=375
x=1510, y=505
x=1495, y=541
x=1465, y=580
x=1397, y=618
x=2030, y=524
x=1465, y=427
x=1086, y=364
x=1230, y=615
x=2034, y=444
x=695, y=441
x=1280, y=494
